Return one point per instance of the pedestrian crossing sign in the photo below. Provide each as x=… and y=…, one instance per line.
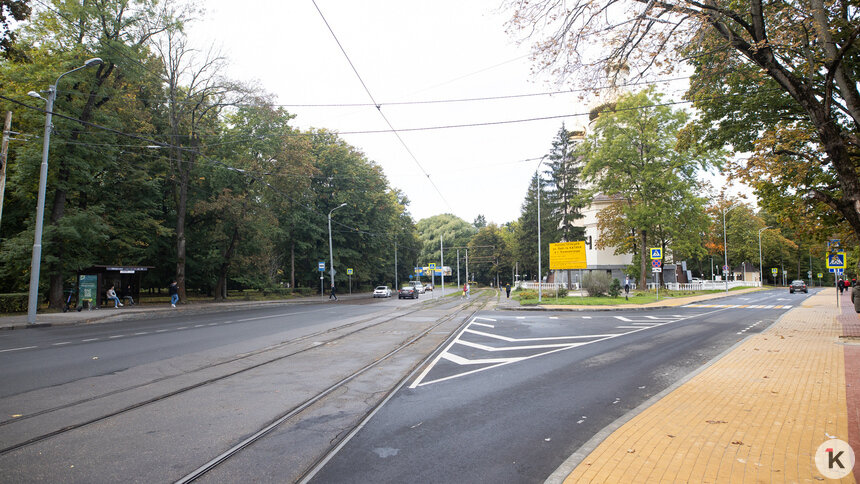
x=656, y=253
x=836, y=260
x=774, y=270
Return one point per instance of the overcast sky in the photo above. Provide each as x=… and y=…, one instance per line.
x=406, y=51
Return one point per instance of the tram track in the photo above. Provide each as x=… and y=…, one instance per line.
x=353, y=328
x=476, y=305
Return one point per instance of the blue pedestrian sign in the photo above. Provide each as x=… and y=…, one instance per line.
x=836, y=260
x=322, y=266
x=656, y=253
x=836, y=271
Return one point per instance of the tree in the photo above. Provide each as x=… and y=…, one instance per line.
x=487, y=253
x=10, y=10
x=83, y=222
x=566, y=193
x=777, y=78
x=480, y=222
x=526, y=233
x=632, y=158
x=454, y=231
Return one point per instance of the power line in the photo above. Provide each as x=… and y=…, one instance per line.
x=379, y=108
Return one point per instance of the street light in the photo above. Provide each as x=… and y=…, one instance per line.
x=540, y=272
x=760, y=268
x=43, y=182
x=330, y=252
x=726, y=247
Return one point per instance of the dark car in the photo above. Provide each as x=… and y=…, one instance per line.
x=797, y=286
x=407, y=291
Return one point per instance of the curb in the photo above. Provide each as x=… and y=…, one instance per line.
x=614, y=308
x=152, y=313
x=567, y=467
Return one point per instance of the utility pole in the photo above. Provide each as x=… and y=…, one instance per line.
x=442, y=264
x=458, y=268
x=396, y=287
x=5, y=148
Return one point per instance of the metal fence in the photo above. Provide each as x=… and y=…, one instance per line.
x=705, y=285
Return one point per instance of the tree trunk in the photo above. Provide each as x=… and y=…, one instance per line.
x=221, y=287
x=293, y=265
x=181, y=209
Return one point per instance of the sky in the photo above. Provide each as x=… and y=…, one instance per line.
x=406, y=52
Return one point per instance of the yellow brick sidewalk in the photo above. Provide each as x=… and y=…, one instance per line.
x=757, y=415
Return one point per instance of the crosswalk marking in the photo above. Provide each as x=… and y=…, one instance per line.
x=740, y=306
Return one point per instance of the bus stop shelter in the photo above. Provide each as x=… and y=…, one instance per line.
x=93, y=282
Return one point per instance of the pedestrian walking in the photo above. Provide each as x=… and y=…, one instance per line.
x=173, y=290
x=332, y=294
x=855, y=295
x=111, y=295
x=626, y=287
x=508, y=290
x=840, y=284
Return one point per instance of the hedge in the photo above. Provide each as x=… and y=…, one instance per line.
x=14, y=302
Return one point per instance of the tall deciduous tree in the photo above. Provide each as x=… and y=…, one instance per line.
x=632, y=157
x=777, y=78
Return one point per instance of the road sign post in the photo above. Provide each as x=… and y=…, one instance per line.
x=321, y=268
x=349, y=275
x=432, y=268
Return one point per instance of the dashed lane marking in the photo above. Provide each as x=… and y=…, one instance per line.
x=19, y=349
x=63, y=343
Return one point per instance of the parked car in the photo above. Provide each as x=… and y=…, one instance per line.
x=797, y=285
x=419, y=287
x=382, y=291
x=407, y=291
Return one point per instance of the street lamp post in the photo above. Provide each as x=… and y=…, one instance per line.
x=330, y=251
x=726, y=248
x=760, y=268
x=540, y=271
x=35, y=263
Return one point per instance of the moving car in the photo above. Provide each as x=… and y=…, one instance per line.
x=797, y=285
x=418, y=287
x=407, y=291
x=382, y=291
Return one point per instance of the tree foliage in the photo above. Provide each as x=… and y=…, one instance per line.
x=780, y=80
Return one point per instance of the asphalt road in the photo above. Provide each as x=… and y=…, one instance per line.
x=517, y=393
x=45, y=357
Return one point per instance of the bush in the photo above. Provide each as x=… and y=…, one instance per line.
x=562, y=292
x=14, y=303
x=527, y=294
x=596, y=283
x=615, y=288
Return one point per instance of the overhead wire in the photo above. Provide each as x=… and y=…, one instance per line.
x=379, y=108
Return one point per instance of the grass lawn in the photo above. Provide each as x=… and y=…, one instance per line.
x=529, y=298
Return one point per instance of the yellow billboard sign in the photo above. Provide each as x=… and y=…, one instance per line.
x=567, y=255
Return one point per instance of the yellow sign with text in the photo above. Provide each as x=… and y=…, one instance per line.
x=567, y=255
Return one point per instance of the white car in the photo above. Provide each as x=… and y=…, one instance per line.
x=418, y=287
x=382, y=291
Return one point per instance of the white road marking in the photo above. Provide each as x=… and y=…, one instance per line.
x=139, y=334
x=586, y=317
x=631, y=327
x=484, y=325
x=553, y=317
x=485, y=319
x=463, y=361
x=161, y=330
x=19, y=349
x=550, y=338
x=182, y=327
x=63, y=343
x=199, y=325
x=211, y=324
x=653, y=317
x=116, y=336
x=88, y=340
x=514, y=348
x=521, y=317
